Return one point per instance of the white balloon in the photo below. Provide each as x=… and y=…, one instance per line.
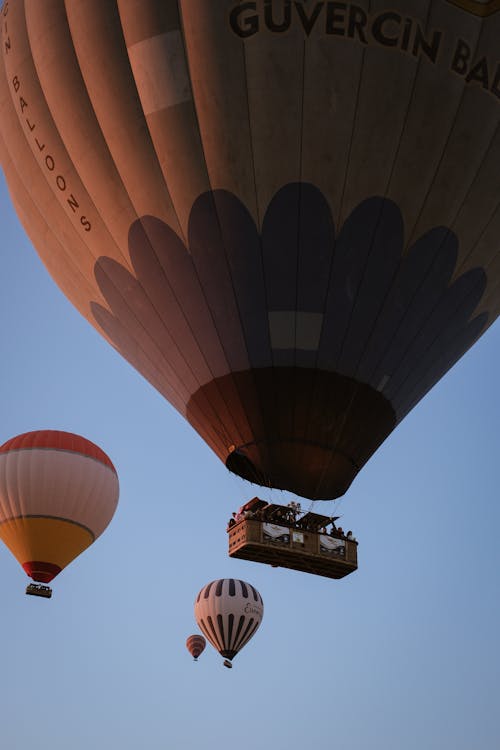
x=228, y=612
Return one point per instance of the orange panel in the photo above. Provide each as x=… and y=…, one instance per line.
x=50, y=540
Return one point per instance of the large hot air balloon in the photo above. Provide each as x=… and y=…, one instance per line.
x=228, y=612
x=284, y=214
x=195, y=644
x=58, y=492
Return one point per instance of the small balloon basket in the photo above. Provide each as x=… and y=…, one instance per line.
x=37, y=589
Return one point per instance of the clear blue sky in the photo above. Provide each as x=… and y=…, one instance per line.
x=401, y=655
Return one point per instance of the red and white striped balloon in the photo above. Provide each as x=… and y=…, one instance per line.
x=195, y=644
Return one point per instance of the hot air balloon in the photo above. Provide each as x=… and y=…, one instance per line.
x=228, y=612
x=58, y=492
x=195, y=644
x=284, y=214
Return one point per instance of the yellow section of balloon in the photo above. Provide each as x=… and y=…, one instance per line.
x=45, y=539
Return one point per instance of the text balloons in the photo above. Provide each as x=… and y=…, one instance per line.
x=284, y=214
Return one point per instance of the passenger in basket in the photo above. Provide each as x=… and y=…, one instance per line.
x=294, y=511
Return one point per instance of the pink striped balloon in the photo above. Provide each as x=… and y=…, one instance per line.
x=195, y=644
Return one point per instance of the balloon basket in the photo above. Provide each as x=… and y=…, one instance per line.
x=227, y=664
x=37, y=589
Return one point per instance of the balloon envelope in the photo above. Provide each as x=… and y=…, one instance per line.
x=58, y=492
x=195, y=644
x=228, y=612
x=284, y=215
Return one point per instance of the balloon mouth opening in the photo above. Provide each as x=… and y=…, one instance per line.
x=294, y=465
x=228, y=654
x=309, y=430
x=41, y=572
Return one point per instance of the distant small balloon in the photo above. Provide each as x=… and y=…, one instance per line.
x=58, y=492
x=228, y=612
x=195, y=644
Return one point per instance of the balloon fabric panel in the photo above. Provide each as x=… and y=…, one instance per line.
x=44, y=545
